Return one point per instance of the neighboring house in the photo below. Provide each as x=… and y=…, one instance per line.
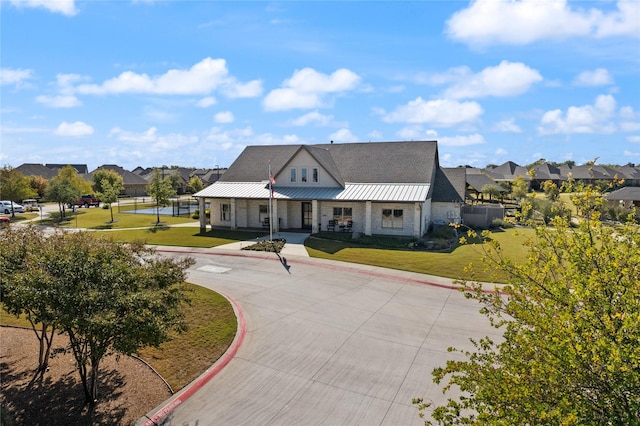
x=134, y=185
x=80, y=168
x=370, y=188
x=32, y=169
x=628, y=196
x=545, y=172
x=448, y=195
x=508, y=172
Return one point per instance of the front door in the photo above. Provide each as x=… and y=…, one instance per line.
x=307, y=215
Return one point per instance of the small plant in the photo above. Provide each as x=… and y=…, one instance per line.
x=275, y=245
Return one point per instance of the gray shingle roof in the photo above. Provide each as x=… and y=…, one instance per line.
x=375, y=162
x=628, y=193
x=128, y=178
x=450, y=185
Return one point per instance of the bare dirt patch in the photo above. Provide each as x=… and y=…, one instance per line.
x=128, y=387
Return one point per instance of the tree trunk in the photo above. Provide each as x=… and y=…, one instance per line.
x=111, y=209
x=95, y=363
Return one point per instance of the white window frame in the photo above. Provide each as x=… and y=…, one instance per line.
x=304, y=175
x=294, y=175
x=393, y=218
x=315, y=175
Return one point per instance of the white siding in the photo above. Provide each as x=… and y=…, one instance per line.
x=304, y=160
x=447, y=212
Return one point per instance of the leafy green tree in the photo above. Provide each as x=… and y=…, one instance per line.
x=14, y=186
x=492, y=191
x=108, y=185
x=66, y=188
x=519, y=188
x=195, y=184
x=571, y=323
x=25, y=286
x=160, y=190
x=104, y=295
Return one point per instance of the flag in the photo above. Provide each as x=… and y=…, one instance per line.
x=272, y=181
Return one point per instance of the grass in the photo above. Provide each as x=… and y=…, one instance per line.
x=445, y=264
x=99, y=218
x=183, y=236
x=212, y=327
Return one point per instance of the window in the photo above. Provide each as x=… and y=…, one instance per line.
x=303, y=175
x=264, y=212
x=342, y=215
x=294, y=177
x=225, y=212
x=392, y=218
x=314, y=175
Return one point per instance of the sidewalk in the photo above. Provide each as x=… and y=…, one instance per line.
x=294, y=245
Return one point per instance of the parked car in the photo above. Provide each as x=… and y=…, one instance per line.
x=30, y=205
x=7, y=207
x=86, y=201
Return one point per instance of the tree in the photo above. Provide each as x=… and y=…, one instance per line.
x=519, y=188
x=551, y=190
x=491, y=190
x=66, y=188
x=160, y=190
x=106, y=296
x=39, y=184
x=570, y=352
x=108, y=185
x=195, y=184
x=14, y=186
x=25, y=286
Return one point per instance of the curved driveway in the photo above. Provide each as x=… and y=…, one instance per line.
x=327, y=344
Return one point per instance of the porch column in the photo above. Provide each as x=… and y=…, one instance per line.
x=234, y=223
x=367, y=218
x=202, y=217
x=417, y=220
x=314, y=217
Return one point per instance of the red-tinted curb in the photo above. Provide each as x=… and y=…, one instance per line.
x=205, y=377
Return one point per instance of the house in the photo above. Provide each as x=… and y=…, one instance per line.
x=369, y=188
x=134, y=185
x=627, y=197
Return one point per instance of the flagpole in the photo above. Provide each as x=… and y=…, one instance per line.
x=270, y=205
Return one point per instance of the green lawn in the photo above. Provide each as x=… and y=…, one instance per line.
x=100, y=218
x=445, y=264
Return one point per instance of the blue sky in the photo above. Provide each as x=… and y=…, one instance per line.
x=191, y=83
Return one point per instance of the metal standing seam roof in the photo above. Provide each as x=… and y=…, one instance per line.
x=392, y=192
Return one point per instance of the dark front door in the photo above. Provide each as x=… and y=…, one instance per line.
x=307, y=215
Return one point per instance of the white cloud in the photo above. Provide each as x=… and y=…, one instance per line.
x=313, y=117
x=634, y=139
x=584, y=119
x=507, y=126
x=206, y=102
x=223, y=117
x=201, y=79
x=438, y=112
x=519, y=22
x=155, y=142
x=505, y=79
x=343, y=135
x=306, y=89
x=73, y=129
x=14, y=76
x=501, y=151
x=597, y=77
x=59, y=101
x=462, y=140
x=66, y=7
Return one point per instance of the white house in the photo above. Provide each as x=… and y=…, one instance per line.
x=371, y=188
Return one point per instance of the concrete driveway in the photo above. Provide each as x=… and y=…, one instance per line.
x=327, y=344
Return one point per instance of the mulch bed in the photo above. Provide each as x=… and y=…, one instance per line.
x=128, y=388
